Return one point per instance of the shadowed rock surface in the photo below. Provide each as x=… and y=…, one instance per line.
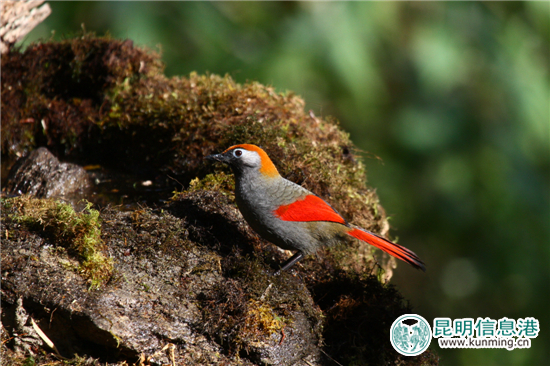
x=41, y=174
x=166, y=289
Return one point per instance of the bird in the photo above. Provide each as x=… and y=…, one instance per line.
x=290, y=216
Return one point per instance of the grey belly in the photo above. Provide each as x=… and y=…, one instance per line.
x=285, y=234
x=304, y=236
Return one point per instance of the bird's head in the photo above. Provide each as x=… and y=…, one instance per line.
x=247, y=157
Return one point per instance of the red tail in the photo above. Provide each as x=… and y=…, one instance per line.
x=387, y=246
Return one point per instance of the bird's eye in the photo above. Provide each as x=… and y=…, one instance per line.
x=238, y=153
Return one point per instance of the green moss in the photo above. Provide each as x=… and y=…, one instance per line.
x=53, y=92
x=261, y=318
x=221, y=182
x=78, y=232
x=29, y=361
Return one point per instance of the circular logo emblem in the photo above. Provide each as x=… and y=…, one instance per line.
x=410, y=334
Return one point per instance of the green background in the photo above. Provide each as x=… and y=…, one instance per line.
x=449, y=102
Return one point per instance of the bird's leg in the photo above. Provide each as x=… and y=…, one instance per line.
x=290, y=262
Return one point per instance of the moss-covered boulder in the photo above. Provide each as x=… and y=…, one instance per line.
x=102, y=101
x=187, y=281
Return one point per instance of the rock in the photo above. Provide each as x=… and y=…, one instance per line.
x=171, y=298
x=41, y=174
x=190, y=283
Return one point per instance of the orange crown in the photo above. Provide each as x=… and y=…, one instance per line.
x=267, y=168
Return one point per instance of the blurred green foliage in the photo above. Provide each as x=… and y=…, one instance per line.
x=452, y=96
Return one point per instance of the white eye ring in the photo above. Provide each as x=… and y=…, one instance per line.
x=237, y=153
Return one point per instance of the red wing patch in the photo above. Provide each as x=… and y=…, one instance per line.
x=310, y=208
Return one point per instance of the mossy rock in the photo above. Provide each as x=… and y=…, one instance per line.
x=96, y=100
x=77, y=232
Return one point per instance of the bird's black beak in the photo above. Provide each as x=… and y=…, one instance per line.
x=217, y=157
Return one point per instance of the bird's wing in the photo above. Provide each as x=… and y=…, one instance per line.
x=309, y=208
